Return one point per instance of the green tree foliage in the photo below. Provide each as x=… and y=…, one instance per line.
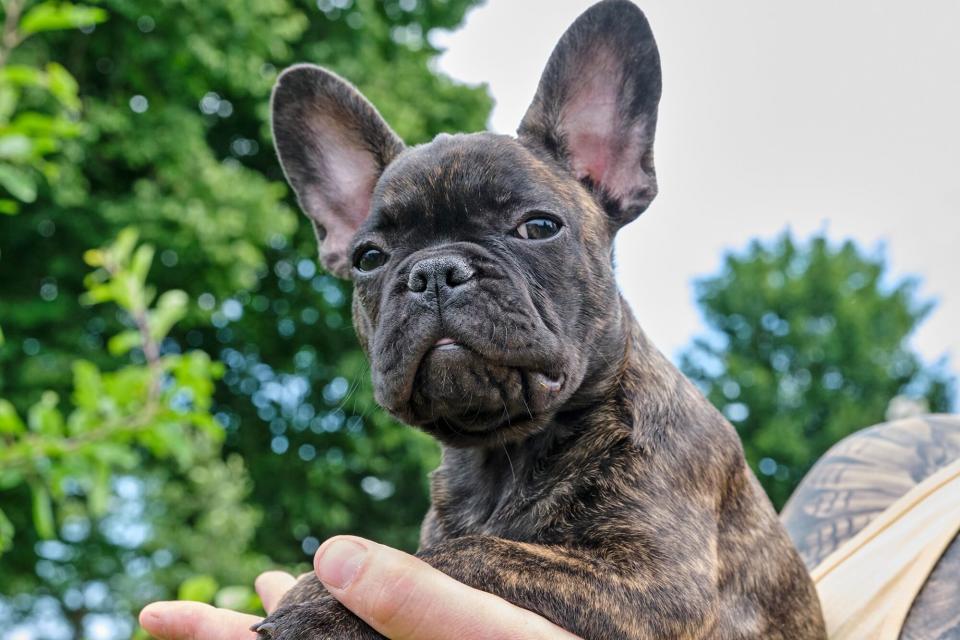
x=172, y=138
x=808, y=344
x=161, y=406
x=84, y=467
x=38, y=103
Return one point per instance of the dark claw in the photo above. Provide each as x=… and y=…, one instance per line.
x=265, y=629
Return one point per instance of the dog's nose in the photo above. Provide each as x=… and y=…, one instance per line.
x=439, y=273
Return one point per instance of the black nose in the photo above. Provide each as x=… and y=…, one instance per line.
x=439, y=273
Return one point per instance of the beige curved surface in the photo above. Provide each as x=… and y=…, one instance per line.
x=877, y=520
x=868, y=585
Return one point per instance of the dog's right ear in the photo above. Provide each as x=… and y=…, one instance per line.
x=333, y=146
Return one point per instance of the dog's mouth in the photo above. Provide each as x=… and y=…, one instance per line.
x=466, y=398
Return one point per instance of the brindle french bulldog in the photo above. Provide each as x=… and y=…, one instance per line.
x=583, y=477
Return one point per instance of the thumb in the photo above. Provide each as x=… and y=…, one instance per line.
x=404, y=598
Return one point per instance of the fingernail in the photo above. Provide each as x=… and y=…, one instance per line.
x=339, y=561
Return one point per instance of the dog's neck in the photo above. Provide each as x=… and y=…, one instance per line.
x=632, y=394
x=628, y=374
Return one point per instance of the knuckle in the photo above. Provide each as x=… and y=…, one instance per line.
x=397, y=603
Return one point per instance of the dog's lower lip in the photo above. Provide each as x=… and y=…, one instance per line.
x=547, y=382
x=446, y=343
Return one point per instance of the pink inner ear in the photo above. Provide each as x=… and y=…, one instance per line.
x=589, y=117
x=590, y=153
x=602, y=147
x=342, y=206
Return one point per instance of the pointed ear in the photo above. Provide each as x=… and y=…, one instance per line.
x=596, y=107
x=333, y=146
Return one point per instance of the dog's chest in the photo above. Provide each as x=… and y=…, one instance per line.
x=511, y=515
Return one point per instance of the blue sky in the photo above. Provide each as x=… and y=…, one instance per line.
x=811, y=116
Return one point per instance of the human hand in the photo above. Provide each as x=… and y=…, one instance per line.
x=184, y=620
x=397, y=594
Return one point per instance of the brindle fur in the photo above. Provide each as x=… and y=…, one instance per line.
x=616, y=502
x=859, y=478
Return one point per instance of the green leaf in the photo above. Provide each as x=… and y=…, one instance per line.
x=10, y=478
x=115, y=455
x=123, y=246
x=93, y=257
x=98, y=496
x=201, y=588
x=44, y=130
x=9, y=97
x=87, y=385
x=22, y=75
x=43, y=520
x=44, y=417
x=171, y=308
x=15, y=147
x=123, y=342
x=6, y=532
x=53, y=16
x=96, y=294
x=63, y=86
x=10, y=422
x=8, y=207
x=140, y=264
x=19, y=182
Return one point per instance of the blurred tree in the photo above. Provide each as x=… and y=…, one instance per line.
x=175, y=140
x=80, y=467
x=146, y=404
x=38, y=104
x=808, y=344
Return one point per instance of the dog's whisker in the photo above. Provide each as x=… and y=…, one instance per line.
x=513, y=474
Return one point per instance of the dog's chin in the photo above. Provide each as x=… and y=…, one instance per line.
x=464, y=400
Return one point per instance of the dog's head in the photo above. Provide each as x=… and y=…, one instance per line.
x=484, y=292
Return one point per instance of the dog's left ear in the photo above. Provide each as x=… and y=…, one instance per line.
x=596, y=107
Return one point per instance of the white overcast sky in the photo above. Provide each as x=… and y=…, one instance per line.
x=813, y=115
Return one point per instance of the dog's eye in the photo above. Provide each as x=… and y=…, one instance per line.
x=537, y=229
x=370, y=259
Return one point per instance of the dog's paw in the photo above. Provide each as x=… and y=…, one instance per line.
x=282, y=624
x=321, y=620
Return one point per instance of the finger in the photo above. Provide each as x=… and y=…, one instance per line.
x=271, y=586
x=404, y=598
x=196, y=621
